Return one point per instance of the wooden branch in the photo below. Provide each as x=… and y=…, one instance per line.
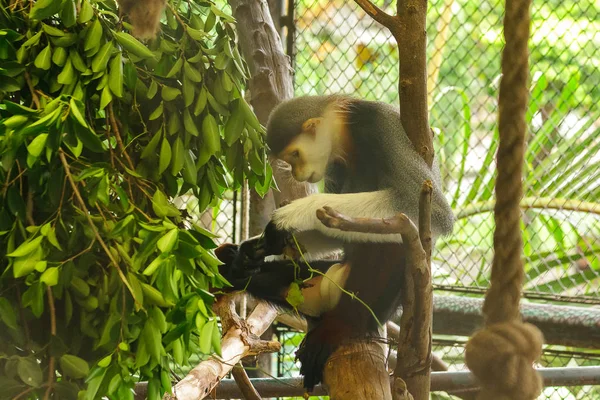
x=243, y=382
x=240, y=340
x=414, y=346
x=408, y=28
x=377, y=14
x=270, y=84
x=411, y=36
x=415, y=335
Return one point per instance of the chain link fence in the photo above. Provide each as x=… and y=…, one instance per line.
x=337, y=48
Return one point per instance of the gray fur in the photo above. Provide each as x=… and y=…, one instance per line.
x=285, y=121
x=386, y=157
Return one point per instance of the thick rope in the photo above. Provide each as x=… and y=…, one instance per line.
x=501, y=356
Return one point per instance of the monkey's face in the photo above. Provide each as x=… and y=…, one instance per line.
x=308, y=153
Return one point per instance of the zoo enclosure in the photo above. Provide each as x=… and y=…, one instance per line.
x=336, y=48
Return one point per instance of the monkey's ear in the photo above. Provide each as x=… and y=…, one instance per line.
x=310, y=125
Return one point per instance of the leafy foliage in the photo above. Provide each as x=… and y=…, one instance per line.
x=560, y=195
x=104, y=279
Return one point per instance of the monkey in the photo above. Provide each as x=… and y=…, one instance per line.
x=144, y=16
x=370, y=170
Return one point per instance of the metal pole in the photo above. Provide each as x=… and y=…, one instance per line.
x=440, y=381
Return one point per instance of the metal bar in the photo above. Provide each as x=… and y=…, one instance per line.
x=440, y=381
x=561, y=325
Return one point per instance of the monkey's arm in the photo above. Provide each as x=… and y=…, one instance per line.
x=301, y=214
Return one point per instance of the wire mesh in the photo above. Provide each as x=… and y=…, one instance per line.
x=337, y=48
x=340, y=49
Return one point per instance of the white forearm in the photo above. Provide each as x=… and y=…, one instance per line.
x=301, y=214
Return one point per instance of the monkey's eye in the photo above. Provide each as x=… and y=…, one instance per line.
x=295, y=154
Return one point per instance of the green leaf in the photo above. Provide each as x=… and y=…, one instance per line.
x=153, y=296
x=178, y=157
x=50, y=276
x=26, y=247
x=152, y=90
x=150, y=149
x=105, y=98
x=174, y=125
x=68, y=14
x=43, y=9
x=52, y=31
x=188, y=92
x=190, y=172
x=210, y=134
x=90, y=140
x=211, y=19
x=216, y=339
x=294, y=296
x=206, y=336
x=105, y=362
x=74, y=367
x=60, y=56
x=154, y=265
x=77, y=60
x=196, y=34
x=44, y=59
x=30, y=371
x=94, y=34
x=191, y=73
x=7, y=314
x=158, y=112
x=189, y=124
x=15, y=121
x=115, y=77
x=201, y=101
x=160, y=204
x=133, y=45
x=51, y=236
x=67, y=76
x=176, y=68
x=165, y=156
x=86, y=13
x=168, y=93
x=166, y=243
x=40, y=266
x=234, y=126
x=101, y=58
x=76, y=112
x=37, y=145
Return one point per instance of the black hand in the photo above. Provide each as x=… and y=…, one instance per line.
x=274, y=240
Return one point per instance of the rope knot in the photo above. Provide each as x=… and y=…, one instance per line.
x=501, y=356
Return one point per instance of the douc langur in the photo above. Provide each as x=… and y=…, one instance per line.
x=371, y=170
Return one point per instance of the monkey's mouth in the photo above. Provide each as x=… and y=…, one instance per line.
x=314, y=177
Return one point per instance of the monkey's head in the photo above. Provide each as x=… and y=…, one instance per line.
x=304, y=132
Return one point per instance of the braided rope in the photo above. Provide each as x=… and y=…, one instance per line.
x=501, y=356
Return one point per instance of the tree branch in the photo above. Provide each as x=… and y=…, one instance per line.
x=241, y=339
x=115, y=129
x=93, y=227
x=414, y=347
x=243, y=382
x=53, y=333
x=378, y=14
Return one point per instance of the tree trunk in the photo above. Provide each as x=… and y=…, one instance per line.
x=270, y=84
